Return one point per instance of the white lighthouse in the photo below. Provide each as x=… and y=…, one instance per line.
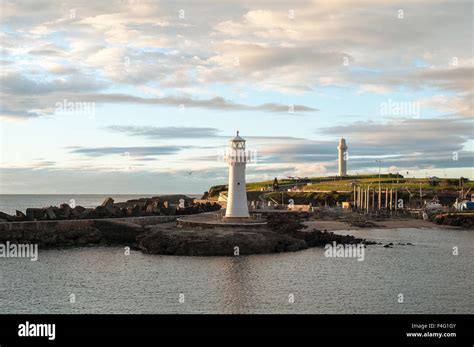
x=237, y=158
x=342, y=149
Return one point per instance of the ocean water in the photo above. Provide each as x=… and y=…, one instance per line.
x=9, y=203
x=105, y=280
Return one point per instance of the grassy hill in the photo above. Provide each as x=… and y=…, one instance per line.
x=337, y=185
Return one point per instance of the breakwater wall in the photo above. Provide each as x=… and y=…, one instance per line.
x=79, y=232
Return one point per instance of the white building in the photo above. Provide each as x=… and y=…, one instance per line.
x=237, y=158
x=342, y=149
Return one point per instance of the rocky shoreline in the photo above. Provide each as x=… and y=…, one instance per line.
x=170, y=238
x=167, y=205
x=92, y=232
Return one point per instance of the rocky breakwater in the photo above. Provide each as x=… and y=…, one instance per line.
x=62, y=233
x=284, y=234
x=155, y=206
x=464, y=220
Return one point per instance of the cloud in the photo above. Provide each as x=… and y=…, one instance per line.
x=217, y=103
x=14, y=84
x=146, y=45
x=164, y=132
x=128, y=151
x=408, y=135
x=250, y=56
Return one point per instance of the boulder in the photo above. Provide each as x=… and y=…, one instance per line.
x=7, y=217
x=151, y=206
x=136, y=210
x=50, y=212
x=101, y=212
x=118, y=232
x=64, y=211
x=108, y=202
x=79, y=209
x=35, y=213
x=112, y=211
x=20, y=215
x=88, y=213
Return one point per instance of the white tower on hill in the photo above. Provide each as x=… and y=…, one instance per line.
x=342, y=149
x=237, y=158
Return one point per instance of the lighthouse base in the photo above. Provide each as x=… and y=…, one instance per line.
x=237, y=219
x=211, y=219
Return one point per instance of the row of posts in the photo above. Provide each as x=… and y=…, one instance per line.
x=370, y=199
x=255, y=204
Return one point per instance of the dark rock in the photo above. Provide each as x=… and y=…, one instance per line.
x=35, y=213
x=117, y=232
x=64, y=211
x=463, y=220
x=50, y=212
x=150, y=206
x=20, y=215
x=137, y=210
x=108, y=202
x=212, y=242
x=88, y=213
x=79, y=209
x=318, y=238
x=285, y=222
x=362, y=224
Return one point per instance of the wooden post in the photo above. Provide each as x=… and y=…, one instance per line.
x=380, y=198
x=391, y=199
x=386, y=198
x=368, y=199
x=373, y=199
x=354, y=200
x=358, y=197
x=396, y=201
x=363, y=200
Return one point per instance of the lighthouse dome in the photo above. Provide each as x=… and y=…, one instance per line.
x=237, y=138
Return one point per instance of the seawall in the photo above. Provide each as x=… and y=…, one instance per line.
x=79, y=232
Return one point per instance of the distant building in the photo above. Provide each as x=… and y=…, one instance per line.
x=342, y=149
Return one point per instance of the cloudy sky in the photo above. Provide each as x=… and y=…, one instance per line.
x=141, y=96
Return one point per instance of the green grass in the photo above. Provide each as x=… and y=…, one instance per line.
x=337, y=184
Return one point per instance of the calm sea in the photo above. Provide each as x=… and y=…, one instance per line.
x=9, y=203
x=427, y=275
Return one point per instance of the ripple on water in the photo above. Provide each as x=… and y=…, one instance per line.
x=104, y=280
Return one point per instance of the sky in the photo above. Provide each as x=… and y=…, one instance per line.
x=142, y=96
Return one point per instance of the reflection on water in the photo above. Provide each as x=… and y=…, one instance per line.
x=104, y=280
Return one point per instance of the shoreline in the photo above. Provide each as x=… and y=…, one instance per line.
x=403, y=223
